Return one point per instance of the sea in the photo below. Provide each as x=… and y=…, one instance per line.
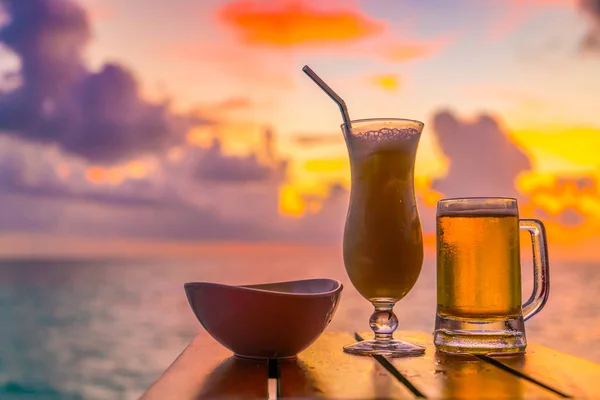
x=106, y=328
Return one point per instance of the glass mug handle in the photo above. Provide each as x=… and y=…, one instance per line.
x=541, y=268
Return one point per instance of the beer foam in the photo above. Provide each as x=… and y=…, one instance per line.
x=481, y=209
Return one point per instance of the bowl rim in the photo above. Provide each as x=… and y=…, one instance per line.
x=339, y=286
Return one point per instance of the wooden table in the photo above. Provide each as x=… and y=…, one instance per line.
x=205, y=369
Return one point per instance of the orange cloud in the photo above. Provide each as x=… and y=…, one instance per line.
x=116, y=175
x=557, y=195
x=201, y=136
x=99, y=175
x=408, y=49
x=326, y=165
x=569, y=206
x=296, y=22
x=404, y=52
x=290, y=201
x=388, y=82
x=136, y=169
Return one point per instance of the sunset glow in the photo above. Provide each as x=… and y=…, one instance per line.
x=198, y=113
x=295, y=22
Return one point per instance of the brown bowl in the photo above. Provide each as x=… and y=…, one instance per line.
x=275, y=320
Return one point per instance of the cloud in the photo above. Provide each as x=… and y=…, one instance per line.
x=483, y=160
x=314, y=140
x=99, y=116
x=39, y=199
x=296, y=22
x=413, y=49
x=89, y=219
x=325, y=165
x=203, y=194
x=65, y=129
x=234, y=103
x=329, y=222
x=591, y=41
x=170, y=204
x=387, y=82
x=569, y=217
x=35, y=171
x=176, y=223
x=569, y=200
x=405, y=52
x=215, y=166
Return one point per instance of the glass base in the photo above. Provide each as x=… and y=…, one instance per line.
x=466, y=336
x=388, y=348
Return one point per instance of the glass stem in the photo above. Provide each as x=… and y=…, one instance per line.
x=383, y=321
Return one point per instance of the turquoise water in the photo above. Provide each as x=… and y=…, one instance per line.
x=106, y=329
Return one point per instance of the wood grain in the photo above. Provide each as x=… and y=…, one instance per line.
x=438, y=375
x=569, y=374
x=205, y=369
x=325, y=371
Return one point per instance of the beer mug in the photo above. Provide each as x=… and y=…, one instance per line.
x=479, y=276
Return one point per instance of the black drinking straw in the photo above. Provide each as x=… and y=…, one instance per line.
x=341, y=104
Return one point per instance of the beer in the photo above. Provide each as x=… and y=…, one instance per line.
x=478, y=265
x=383, y=246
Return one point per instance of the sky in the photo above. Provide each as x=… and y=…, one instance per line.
x=191, y=121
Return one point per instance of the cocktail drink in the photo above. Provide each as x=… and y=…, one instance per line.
x=383, y=245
